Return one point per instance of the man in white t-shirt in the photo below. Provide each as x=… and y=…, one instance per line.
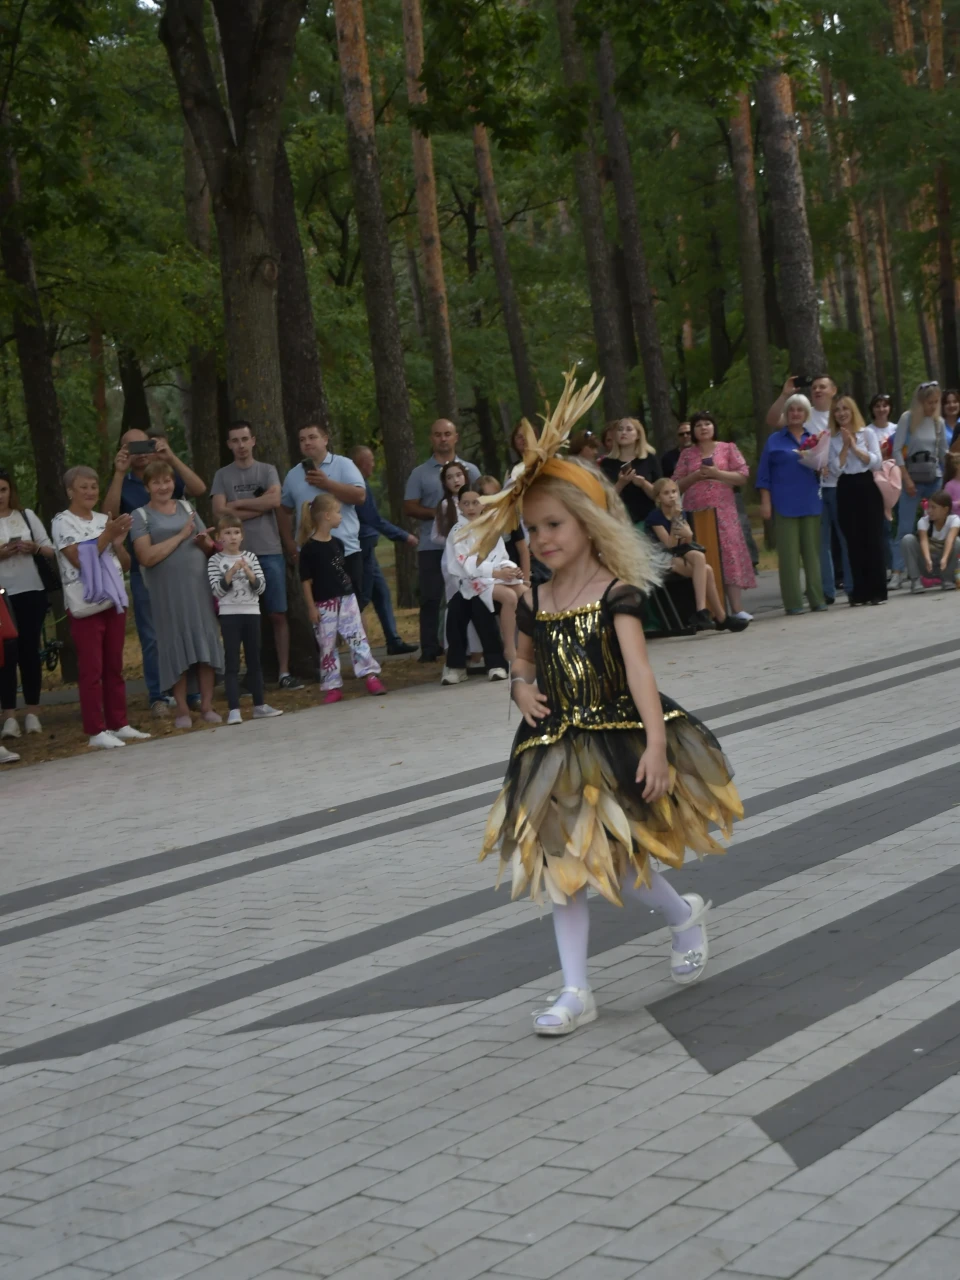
x=932, y=554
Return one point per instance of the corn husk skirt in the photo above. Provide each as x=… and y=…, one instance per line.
x=571, y=814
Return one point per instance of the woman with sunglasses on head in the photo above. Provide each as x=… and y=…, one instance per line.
x=22, y=537
x=919, y=447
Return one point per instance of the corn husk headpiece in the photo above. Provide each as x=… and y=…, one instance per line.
x=503, y=510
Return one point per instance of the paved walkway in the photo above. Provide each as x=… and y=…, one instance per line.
x=264, y=1016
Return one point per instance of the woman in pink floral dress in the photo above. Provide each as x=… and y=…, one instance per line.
x=707, y=473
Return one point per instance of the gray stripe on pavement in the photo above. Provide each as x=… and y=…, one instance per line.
x=51, y=891
x=801, y=789
x=833, y=1111
x=513, y=957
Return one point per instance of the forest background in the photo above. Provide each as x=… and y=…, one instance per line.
x=373, y=212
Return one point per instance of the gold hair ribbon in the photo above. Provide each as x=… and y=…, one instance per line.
x=560, y=469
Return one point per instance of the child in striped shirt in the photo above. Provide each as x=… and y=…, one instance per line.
x=237, y=583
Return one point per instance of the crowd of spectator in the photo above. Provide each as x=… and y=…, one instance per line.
x=856, y=506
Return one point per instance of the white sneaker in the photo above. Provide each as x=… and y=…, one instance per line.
x=896, y=580
x=454, y=675
x=129, y=734
x=105, y=741
x=10, y=728
x=266, y=712
x=234, y=716
x=497, y=673
x=8, y=757
x=746, y=617
x=32, y=724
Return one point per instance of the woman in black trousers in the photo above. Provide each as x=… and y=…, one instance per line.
x=855, y=453
x=22, y=537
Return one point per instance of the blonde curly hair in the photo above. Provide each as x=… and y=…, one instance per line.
x=622, y=548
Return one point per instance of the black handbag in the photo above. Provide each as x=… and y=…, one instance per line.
x=46, y=565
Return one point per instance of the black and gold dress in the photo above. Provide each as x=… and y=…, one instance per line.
x=571, y=813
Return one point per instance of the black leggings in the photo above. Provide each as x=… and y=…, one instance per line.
x=28, y=609
x=460, y=613
x=237, y=629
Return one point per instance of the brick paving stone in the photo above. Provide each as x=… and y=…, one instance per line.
x=895, y=1233
x=763, y=1215
x=355, y=1142
x=936, y=1259
x=787, y=1251
x=661, y=1232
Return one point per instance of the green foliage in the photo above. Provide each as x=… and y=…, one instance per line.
x=96, y=126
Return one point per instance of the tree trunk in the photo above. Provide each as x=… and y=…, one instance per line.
x=918, y=219
x=36, y=367
x=751, y=266
x=239, y=152
x=616, y=399
x=416, y=288
x=438, y=319
x=890, y=295
x=642, y=301
x=488, y=437
x=136, y=407
x=98, y=379
x=238, y=148
x=526, y=387
x=798, y=291
x=378, y=284
x=933, y=30
x=204, y=429
x=301, y=378
x=621, y=289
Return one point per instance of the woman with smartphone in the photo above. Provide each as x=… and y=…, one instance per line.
x=22, y=537
x=632, y=468
x=708, y=474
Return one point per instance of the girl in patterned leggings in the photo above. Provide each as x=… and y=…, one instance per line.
x=331, y=604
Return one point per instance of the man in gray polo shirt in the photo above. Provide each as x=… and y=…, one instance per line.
x=420, y=501
x=251, y=490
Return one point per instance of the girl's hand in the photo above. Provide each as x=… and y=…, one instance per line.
x=909, y=487
x=228, y=573
x=532, y=703
x=710, y=473
x=766, y=509
x=929, y=566
x=654, y=772
x=944, y=561
x=624, y=478
x=313, y=613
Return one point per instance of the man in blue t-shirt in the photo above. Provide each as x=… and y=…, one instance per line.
x=126, y=494
x=324, y=472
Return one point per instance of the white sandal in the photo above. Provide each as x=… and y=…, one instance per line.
x=696, y=956
x=569, y=1021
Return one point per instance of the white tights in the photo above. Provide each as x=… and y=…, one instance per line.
x=571, y=924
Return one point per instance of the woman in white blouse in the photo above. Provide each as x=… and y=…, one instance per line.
x=859, y=501
x=22, y=537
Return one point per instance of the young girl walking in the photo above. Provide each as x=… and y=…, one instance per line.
x=606, y=775
x=331, y=604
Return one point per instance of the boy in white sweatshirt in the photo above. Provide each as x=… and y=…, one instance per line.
x=237, y=583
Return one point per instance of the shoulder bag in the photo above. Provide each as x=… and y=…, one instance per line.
x=46, y=565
